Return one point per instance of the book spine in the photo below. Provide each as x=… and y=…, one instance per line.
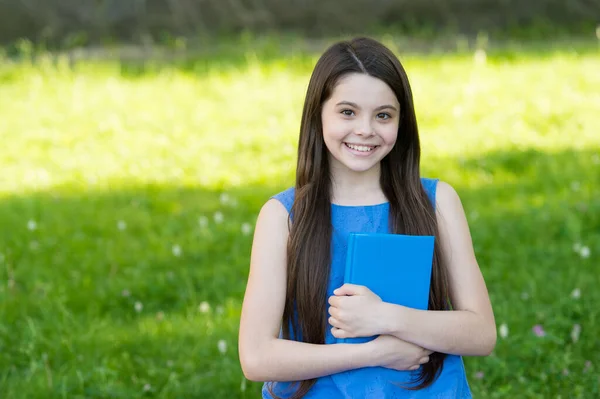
x=349, y=257
x=348, y=278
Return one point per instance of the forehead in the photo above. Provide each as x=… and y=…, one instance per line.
x=363, y=89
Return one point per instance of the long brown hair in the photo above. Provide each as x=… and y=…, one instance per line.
x=411, y=212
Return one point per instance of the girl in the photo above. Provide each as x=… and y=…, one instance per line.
x=358, y=171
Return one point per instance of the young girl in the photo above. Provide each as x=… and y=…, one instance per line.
x=358, y=171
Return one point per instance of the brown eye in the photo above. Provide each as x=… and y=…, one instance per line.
x=384, y=115
x=347, y=112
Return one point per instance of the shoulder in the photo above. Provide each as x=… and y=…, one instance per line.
x=285, y=198
x=443, y=196
x=448, y=203
x=446, y=194
x=274, y=214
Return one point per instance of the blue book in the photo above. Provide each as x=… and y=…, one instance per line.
x=394, y=266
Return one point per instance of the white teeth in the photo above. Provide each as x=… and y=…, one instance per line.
x=360, y=147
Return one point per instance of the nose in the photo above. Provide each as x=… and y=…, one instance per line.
x=364, y=128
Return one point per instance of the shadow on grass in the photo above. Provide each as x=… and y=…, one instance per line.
x=104, y=288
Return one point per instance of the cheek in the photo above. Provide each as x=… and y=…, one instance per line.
x=333, y=132
x=328, y=139
x=389, y=134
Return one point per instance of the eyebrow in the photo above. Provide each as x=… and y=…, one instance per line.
x=376, y=109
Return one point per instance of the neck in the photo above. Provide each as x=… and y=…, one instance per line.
x=356, y=188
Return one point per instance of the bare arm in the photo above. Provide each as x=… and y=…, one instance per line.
x=284, y=360
x=460, y=332
x=263, y=356
x=469, y=329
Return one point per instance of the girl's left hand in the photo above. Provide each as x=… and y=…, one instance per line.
x=355, y=311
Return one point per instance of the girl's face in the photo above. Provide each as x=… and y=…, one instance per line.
x=360, y=122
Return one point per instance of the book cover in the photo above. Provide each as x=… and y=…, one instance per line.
x=394, y=266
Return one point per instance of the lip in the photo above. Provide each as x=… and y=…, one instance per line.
x=361, y=144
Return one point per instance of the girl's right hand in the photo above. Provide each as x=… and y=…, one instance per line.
x=393, y=353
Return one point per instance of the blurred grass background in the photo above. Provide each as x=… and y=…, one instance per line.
x=129, y=192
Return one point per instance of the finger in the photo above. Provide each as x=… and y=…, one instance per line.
x=334, y=322
x=332, y=300
x=415, y=367
x=349, y=289
x=338, y=332
x=334, y=312
x=424, y=359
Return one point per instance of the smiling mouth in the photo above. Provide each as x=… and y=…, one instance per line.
x=361, y=148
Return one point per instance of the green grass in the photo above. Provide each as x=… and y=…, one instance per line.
x=128, y=193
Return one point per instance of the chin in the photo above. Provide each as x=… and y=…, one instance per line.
x=359, y=168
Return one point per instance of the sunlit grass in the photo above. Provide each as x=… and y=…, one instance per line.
x=173, y=125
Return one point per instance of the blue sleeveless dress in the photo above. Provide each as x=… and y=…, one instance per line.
x=373, y=382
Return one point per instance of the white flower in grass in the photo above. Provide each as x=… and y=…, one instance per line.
x=222, y=345
x=576, y=294
x=204, y=307
x=224, y=198
x=176, y=250
x=503, y=330
x=32, y=225
x=575, y=332
x=121, y=225
x=246, y=228
x=584, y=252
x=218, y=217
x=203, y=221
x=147, y=388
x=243, y=385
x=138, y=306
